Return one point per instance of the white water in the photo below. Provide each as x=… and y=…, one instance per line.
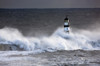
x=59, y=40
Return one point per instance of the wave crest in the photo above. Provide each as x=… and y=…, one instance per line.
x=59, y=40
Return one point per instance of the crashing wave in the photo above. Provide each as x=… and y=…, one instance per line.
x=59, y=40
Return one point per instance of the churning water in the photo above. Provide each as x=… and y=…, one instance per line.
x=59, y=40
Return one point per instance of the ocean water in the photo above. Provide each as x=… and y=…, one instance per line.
x=41, y=30
x=36, y=37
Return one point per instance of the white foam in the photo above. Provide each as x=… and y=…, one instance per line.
x=59, y=40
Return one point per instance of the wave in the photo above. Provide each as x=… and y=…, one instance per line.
x=59, y=40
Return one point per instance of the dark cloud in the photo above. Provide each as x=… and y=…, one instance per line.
x=49, y=3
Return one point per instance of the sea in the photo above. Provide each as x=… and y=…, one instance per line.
x=25, y=31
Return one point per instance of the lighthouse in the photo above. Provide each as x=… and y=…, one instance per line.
x=66, y=25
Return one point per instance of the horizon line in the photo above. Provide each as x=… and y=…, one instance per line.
x=49, y=8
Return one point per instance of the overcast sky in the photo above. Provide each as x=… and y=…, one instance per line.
x=49, y=3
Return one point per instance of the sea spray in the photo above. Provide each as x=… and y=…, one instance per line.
x=59, y=40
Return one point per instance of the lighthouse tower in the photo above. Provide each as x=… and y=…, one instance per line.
x=66, y=25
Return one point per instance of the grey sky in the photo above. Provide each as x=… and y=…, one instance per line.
x=49, y=3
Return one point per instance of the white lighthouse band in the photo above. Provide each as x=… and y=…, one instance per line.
x=66, y=26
